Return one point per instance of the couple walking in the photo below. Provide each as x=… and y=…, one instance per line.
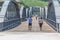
x=40, y=20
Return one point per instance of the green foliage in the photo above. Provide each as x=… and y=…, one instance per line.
x=31, y=3
x=43, y=0
x=1, y=0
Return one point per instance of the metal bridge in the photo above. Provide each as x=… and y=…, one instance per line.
x=35, y=27
x=14, y=18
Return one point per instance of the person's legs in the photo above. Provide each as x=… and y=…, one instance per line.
x=40, y=26
x=30, y=26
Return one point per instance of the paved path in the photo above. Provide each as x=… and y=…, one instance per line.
x=30, y=36
x=35, y=27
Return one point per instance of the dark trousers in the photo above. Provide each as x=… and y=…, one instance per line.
x=29, y=26
x=40, y=24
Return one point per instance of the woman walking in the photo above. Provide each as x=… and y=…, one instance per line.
x=40, y=23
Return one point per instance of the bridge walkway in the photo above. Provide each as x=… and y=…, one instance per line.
x=35, y=27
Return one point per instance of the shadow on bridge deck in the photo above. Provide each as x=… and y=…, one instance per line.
x=35, y=27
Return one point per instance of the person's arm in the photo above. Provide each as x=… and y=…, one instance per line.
x=28, y=19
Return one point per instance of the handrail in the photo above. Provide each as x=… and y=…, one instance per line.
x=53, y=21
x=57, y=24
x=12, y=19
x=10, y=25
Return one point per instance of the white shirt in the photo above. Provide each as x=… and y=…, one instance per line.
x=40, y=20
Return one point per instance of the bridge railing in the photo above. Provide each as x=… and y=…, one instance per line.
x=59, y=27
x=54, y=25
x=6, y=25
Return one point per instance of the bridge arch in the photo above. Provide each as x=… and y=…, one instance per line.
x=53, y=15
x=9, y=15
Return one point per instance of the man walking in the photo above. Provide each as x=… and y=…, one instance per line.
x=30, y=24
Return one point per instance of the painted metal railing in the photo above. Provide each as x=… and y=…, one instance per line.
x=9, y=24
x=54, y=25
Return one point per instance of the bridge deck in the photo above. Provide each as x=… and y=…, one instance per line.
x=35, y=27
